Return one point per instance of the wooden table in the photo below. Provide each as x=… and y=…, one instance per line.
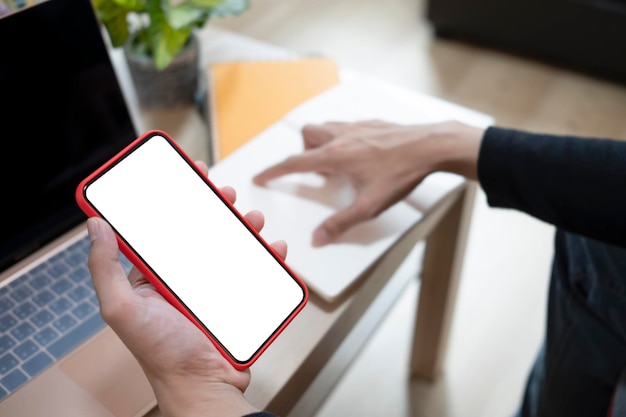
x=297, y=372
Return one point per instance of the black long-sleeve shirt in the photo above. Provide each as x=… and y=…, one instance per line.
x=577, y=184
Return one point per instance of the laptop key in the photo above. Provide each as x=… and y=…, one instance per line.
x=21, y=293
x=43, y=298
x=76, y=336
x=22, y=331
x=64, y=323
x=6, y=343
x=26, y=350
x=76, y=258
x=46, y=336
x=42, y=318
x=6, y=322
x=62, y=286
x=37, y=363
x=6, y=303
x=7, y=362
x=79, y=293
x=83, y=310
x=80, y=274
x=14, y=379
x=60, y=306
x=58, y=268
x=24, y=310
x=39, y=281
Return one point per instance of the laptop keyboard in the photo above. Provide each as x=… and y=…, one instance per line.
x=45, y=313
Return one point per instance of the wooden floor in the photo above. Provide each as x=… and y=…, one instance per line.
x=500, y=312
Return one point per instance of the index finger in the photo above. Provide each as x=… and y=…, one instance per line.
x=304, y=162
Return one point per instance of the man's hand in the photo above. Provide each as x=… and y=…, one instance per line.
x=383, y=161
x=188, y=374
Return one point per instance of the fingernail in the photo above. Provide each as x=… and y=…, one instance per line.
x=93, y=228
x=320, y=237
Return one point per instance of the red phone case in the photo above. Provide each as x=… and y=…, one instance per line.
x=86, y=207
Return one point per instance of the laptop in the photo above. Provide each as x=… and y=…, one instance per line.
x=333, y=270
x=62, y=114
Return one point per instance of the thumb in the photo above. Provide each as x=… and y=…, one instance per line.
x=108, y=276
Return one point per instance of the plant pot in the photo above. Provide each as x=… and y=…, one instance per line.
x=174, y=86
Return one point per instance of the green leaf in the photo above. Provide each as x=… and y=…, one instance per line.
x=113, y=16
x=98, y=4
x=133, y=5
x=185, y=15
x=205, y=3
x=166, y=41
x=170, y=26
x=230, y=8
x=117, y=27
x=170, y=45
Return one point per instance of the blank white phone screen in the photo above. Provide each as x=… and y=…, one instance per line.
x=192, y=241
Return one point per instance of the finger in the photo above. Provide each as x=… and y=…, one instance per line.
x=203, y=167
x=315, y=136
x=280, y=247
x=227, y=191
x=375, y=123
x=305, y=162
x=256, y=219
x=109, y=278
x=135, y=277
x=230, y=194
x=340, y=222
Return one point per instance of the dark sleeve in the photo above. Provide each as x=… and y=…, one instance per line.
x=577, y=184
x=261, y=414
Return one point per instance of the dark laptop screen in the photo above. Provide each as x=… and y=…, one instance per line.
x=62, y=114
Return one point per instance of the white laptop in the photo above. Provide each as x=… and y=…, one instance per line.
x=296, y=204
x=63, y=114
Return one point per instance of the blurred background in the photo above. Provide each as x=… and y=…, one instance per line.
x=500, y=312
x=552, y=66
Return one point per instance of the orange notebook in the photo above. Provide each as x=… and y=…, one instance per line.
x=248, y=97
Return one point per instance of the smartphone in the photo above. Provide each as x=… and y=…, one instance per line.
x=192, y=244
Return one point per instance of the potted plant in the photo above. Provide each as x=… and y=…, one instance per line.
x=160, y=44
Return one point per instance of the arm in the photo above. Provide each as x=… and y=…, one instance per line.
x=574, y=183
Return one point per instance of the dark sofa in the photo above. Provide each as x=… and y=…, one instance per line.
x=585, y=35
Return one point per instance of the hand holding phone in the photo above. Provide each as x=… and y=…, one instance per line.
x=206, y=259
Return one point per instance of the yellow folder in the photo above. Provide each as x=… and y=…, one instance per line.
x=248, y=97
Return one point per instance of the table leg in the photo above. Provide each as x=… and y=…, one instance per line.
x=443, y=258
